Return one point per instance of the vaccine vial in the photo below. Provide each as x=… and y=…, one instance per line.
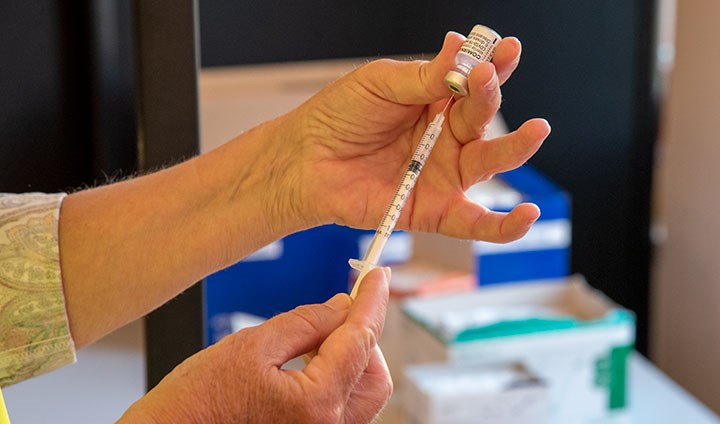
x=478, y=47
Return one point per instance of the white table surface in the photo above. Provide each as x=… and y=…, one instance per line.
x=109, y=377
x=654, y=398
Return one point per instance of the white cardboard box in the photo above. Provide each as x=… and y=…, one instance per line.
x=566, y=333
x=479, y=394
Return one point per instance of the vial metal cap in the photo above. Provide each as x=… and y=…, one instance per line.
x=457, y=82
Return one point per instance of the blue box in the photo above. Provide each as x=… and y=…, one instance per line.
x=544, y=253
x=306, y=267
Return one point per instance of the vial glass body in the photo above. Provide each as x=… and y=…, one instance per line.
x=478, y=47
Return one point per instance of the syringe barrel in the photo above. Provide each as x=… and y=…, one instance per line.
x=402, y=193
x=428, y=140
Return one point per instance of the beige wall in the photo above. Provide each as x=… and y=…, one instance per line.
x=686, y=291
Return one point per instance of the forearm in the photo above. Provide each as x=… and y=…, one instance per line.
x=128, y=247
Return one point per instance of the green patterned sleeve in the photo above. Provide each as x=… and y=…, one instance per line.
x=34, y=330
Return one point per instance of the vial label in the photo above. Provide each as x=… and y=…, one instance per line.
x=479, y=46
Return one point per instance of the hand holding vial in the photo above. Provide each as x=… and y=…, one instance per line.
x=478, y=47
x=359, y=133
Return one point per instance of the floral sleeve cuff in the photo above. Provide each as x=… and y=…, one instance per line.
x=34, y=330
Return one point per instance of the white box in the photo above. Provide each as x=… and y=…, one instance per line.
x=479, y=394
x=566, y=333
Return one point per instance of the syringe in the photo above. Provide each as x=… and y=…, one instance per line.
x=387, y=225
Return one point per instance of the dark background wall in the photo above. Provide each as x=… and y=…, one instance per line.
x=44, y=139
x=66, y=94
x=67, y=105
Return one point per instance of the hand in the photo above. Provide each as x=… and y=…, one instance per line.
x=358, y=134
x=239, y=379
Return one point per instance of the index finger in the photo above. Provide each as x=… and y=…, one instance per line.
x=344, y=355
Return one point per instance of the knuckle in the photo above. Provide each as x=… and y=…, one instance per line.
x=317, y=410
x=242, y=340
x=388, y=387
x=486, y=168
x=367, y=336
x=330, y=416
x=363, y=341
x=250, y=342
x=382, y=62
x=485, y=176
x=379, y=65
x=371, y=335
x=309, y=317
x=497, y=99
x=423, y=71
x=483, y=131
x=504, y=235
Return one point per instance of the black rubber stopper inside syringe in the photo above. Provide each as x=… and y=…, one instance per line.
x=414, y=167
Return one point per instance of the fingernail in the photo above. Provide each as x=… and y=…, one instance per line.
x=388, y=272
x=338, y=302
x=549, y=128
x=513, y=39
x=536, y=216
x=530, y=222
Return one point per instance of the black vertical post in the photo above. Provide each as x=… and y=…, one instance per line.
x=641, y=156
x=168, y=130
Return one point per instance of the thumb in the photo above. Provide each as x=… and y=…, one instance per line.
x=416, y=82
x=303, y=329
x=345, y=355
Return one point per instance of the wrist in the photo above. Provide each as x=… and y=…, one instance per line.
x=281, y=179
x=255, y=187
x=294, y=177
x=137, y=415
x=148, y=410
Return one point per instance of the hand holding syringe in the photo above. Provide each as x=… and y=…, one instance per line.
x=479, y=47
